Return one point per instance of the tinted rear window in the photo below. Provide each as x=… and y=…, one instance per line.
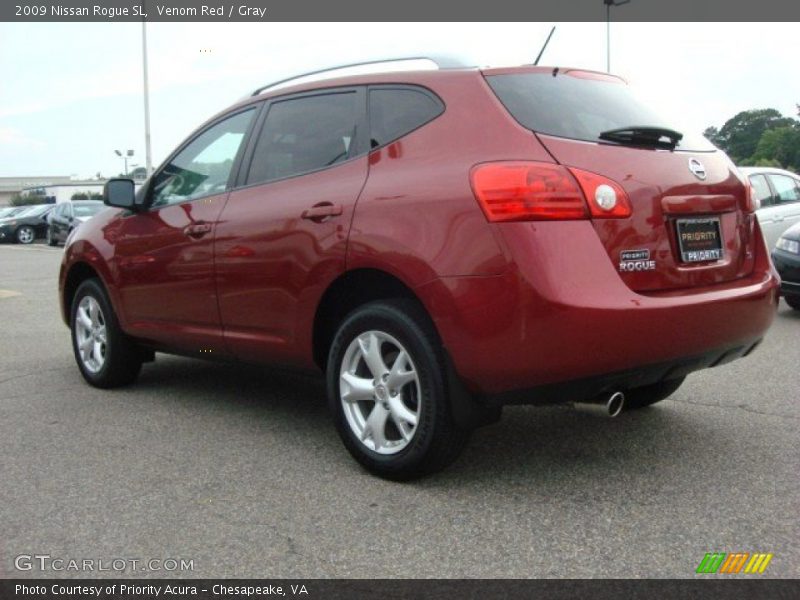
x=580, y=107
x=302, y=135
x=394, y=112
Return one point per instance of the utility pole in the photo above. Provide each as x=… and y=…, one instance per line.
x=148, y=160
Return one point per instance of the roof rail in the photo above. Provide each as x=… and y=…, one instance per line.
x=441, y=62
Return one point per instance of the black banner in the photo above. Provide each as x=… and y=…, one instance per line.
x=408, y=10
x=380, y=589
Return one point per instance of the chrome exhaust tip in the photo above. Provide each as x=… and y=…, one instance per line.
x=605, y=405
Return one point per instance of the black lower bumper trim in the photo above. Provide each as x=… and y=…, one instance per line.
x=589, y=387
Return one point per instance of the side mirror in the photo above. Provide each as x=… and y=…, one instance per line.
x=119, y=193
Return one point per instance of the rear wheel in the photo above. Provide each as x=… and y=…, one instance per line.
x=650, y=394
x=106, y=357
x=25, y=234
x=387, y=391
x=793, y=301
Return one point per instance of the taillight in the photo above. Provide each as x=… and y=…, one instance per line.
x=607, y=199
x=750, y=202
x=527, y=191
x=532, y=191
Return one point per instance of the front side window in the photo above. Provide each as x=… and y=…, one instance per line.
x=301, y=135
x=761, y=190
x=203, y=167
x=785, y=188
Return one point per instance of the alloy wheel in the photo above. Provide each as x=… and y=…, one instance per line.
x=90, y=330
x=379, y=389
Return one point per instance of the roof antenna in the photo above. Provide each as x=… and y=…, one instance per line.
x=547, y=41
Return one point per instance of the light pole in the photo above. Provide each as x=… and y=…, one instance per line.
x=125, y=156
x=609, y=4
x=148, y=161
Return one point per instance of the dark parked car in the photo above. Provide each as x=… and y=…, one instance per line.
x=439, y=243
x=10, y=211
x=786, y=257
x=26, y=225
x=66, y=216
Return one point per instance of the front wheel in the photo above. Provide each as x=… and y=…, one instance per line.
x=387, y=391
x=25, y=234
x=106, y=357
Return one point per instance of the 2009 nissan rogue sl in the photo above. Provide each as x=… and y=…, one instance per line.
x=440, y=243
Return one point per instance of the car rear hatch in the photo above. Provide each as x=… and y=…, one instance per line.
x=689, y=224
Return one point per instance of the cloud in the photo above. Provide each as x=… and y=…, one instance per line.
x=14, y=137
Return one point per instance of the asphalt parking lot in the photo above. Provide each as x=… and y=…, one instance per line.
x=240, y=470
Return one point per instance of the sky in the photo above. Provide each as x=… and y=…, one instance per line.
x=72, y=93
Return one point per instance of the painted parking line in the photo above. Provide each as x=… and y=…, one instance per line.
x=9, y=294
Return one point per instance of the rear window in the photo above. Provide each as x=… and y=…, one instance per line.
x=580, y=107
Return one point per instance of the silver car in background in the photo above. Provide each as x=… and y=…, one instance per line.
x=778, y=193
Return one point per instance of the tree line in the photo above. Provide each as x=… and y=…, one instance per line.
x=760, y=138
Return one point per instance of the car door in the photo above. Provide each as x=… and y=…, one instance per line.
x=61, y=221
x=282, y=236
x=785, y=210
x=53, y=219
x=165, y=252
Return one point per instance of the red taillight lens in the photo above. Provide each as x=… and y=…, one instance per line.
x=606, y=198
x=527, y=191
x=750, y=202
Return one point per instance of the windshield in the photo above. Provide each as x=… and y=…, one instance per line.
x=88, y=209
x=33, y=211
x=581, y=106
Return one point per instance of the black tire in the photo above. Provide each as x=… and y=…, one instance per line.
x=50, y=240
x=123, y=357
x=648, y=395
x=793, y=301
x=436, y=440
x=25, y=235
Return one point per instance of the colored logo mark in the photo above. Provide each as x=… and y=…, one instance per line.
x=733, y=563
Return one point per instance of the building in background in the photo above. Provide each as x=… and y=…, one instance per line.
x=9, y=186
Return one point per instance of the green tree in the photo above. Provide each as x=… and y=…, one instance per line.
x=712, y=134
x=740, y=135
x=781, y=145
x=26, y=200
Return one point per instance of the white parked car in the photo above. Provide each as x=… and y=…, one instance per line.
x=778, y=193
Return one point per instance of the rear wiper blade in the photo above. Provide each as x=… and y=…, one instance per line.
x=657, y=137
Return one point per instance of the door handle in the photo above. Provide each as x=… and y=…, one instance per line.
x=197, y=230
x=777, y=218
x=323, y=210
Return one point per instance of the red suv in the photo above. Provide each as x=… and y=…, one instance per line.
x=439, y=243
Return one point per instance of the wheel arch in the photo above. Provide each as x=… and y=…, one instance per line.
x=77, y=274
x=347, y=292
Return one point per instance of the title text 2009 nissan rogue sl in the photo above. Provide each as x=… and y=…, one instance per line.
x=440, y=243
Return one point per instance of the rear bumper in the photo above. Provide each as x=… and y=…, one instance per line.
x=589, y=387
x=568, y=317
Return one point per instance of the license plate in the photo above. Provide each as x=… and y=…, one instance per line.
x=699, y=239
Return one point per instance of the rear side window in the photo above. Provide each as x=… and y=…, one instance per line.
x=785, y=188
x=580, y=106
x=301, y=135
x=761, y=189
x=394, y=112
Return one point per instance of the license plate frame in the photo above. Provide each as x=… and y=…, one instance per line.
x=699, y=239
